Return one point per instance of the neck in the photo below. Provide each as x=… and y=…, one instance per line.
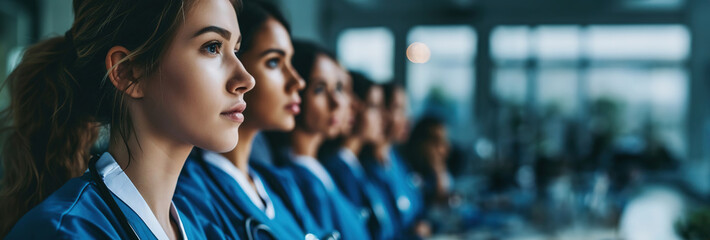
x=153, y=169
x=239, y=156
x=305, y=143
x=353, y=144
x=382, y=151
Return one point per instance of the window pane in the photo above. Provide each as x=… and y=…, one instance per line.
x=510, y=84
x=510, y=43
x=643, y=43
x=368, y=50
x=557, y=42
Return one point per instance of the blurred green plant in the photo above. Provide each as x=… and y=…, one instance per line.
x=695, y=225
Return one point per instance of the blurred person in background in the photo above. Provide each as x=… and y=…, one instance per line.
x=427, y=150
x=323, y=101
x=363, y=126
x=390, y=170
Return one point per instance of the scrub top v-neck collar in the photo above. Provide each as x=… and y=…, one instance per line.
x=120, y=185
x=258, y=196
x=317, y=169
x=352, y=161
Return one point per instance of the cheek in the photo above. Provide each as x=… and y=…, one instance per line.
x=265, y=105
x=186, y=102
x=315, y=114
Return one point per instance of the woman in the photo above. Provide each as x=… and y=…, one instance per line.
x=322, y=103
x=164, y=75
x=365, y=110
x=245, y=188
x=389, y=170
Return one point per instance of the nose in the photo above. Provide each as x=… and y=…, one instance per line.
x=295, y=82
x=334, y=100
x=241, y=81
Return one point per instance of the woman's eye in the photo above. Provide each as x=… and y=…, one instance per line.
x=319, y=89
x=213, y=48
x=272, y=63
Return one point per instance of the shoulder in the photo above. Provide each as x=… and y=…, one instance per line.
x=75, y=210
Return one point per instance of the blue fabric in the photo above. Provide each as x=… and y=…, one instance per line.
x=284, y=187
x=366, y=196
x=331, y=209
x=395, y=182
x=219, y=217
x=77, y=211
x=345, y=179
x=230, y=208
x=402, y=185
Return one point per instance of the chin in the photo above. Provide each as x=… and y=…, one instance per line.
x=225, y=143
x=332, y=133
x=287, y=125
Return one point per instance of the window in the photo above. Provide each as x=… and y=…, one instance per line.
x=640, y=68
x=444, y=84
x=368, y=50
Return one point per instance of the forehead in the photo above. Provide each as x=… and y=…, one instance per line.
x=375, y=93
x=326, y=68
x=273, y=34
x=345, y=75
x=204, y=13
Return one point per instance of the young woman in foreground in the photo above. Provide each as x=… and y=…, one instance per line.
x=163, y=75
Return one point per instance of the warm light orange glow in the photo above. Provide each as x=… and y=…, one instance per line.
x=418, y=52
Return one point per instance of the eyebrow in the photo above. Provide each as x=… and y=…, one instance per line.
x=273, y=50
x=221, y=31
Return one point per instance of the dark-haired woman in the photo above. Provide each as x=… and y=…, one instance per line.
x=364, y=129
x=163, y=76
x=391, y=172
x=320, y=118
x=230, y=188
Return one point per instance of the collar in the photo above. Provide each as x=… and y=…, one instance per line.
x=120, y=185
x=352, y=161
x=258, y=196
x=316, y=168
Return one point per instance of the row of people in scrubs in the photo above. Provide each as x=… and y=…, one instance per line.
x=185, y=91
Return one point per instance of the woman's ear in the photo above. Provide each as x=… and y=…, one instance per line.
x=122, y=73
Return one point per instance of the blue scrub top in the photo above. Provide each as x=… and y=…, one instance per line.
x=223, y=204
x=365, y=195
x=208, y=203
x=331, y=209
x=77, y=211
x=396, y=182
x=283, y=186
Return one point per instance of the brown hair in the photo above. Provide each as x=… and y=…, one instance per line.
x=59, y=95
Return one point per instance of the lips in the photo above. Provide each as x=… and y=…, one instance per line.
x=333, y=121
x=235, y=113
x=294, y=108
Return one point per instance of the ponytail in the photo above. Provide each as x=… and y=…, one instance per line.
x=59, y=99
x=46, y=132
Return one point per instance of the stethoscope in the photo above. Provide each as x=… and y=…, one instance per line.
x=253, y=226
x=106, y=196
